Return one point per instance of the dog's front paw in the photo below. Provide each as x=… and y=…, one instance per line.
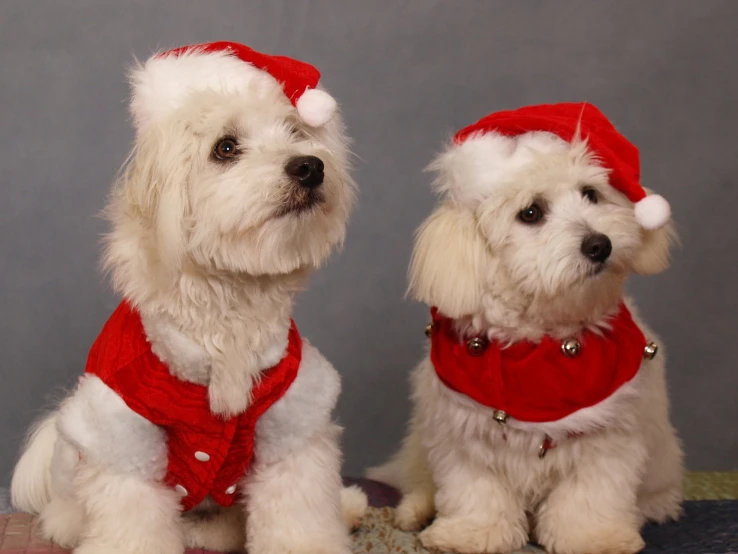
x=62, y=523
x=94, y=547
x=354, y=504
x=162, y=543
x=414, y=511
x=154, y=547
x=468, y=536
x=611, y=538
x=326, y=549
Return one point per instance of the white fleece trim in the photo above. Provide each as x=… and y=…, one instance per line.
x=469, y=171
x=162, y=84
x=305, y=408
x=97, y=422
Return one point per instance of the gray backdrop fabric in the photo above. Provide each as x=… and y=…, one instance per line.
x=408, y=74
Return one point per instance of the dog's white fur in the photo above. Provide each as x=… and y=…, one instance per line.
x=497, y=276
x=202, y=249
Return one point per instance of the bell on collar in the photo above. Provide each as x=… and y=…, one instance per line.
x=571, y=347
x=476, y=346
x=546, y=445
x=428, y=329
x=650, y=351
x=500, y=417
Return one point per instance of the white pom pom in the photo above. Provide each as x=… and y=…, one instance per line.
x=316, y=107
x=652, y=212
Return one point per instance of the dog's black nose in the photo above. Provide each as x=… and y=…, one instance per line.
x=307, y=171
x=597, y=247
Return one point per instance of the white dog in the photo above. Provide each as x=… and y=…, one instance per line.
x=541, y=410
x=203, y=419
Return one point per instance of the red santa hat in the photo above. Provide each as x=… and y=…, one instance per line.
x=572, y=121
x=163, y=82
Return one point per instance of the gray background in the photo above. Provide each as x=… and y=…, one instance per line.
x=408, y=73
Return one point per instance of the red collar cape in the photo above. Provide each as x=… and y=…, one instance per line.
x=538, y=382
x=208, y=455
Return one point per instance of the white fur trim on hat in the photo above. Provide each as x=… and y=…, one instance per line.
x=316, y=107
x=162, y=84
x=652, y=212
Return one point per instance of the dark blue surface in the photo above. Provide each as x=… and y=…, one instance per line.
x=707, y=527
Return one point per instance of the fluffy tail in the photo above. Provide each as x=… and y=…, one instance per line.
x=408, y=471
x=30, y=489
x=390, y=473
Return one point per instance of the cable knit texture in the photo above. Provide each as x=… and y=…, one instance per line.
x=208, y=455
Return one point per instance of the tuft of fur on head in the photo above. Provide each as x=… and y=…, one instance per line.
x=177, y=210
x=475, y=259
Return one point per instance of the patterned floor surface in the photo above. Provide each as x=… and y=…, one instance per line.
x=710, y=524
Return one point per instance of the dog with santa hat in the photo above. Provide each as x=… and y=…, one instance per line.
x=541, y=409
x=203, y=418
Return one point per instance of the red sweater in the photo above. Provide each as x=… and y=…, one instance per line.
x=208, y=455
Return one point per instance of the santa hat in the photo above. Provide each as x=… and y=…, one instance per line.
x=572, y=121
x=163, y=82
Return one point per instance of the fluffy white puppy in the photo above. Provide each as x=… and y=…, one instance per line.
x=203, y=419
x=541, y=411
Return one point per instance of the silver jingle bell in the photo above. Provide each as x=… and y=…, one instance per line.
x=428, y=329
x=571, y=347
x=546, y=445
x=650, y=351
x=500, y=417
x=476, y=346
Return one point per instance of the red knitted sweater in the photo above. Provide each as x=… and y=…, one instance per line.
x=208, y=455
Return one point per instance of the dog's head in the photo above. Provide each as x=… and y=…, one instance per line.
x=228, y=174
x=529, y=222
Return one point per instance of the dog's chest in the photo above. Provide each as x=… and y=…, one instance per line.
x=191, y=361
x=185, y=358
x=506, y=443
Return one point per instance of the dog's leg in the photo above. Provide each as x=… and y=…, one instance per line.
x=476, y=510
x=408, y=471
x=62, y=520
x=128, y=515
x=293, y=504
x=224, y=530
x=354, y=504
x=661, y=493
x=593, y=510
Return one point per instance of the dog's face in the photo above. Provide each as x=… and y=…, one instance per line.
x=535, y=222
x=235, y=182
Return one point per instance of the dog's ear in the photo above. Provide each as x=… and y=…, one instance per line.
x=447, y=265
x=653, y=257
x=158, y=187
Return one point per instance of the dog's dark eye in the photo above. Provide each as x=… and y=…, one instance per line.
x=225, y=149
x=590, y=194
x=530, y=215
